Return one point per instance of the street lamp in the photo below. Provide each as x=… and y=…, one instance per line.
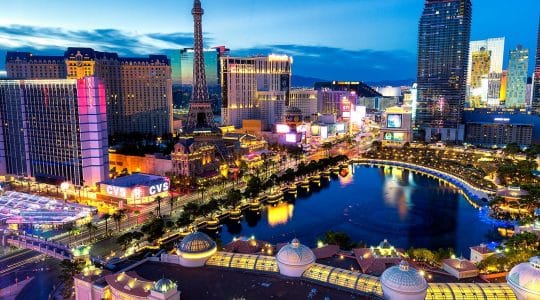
x=64, y=186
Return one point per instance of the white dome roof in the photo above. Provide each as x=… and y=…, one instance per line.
x=295, y=254
x=404, y=279
x=526, y=277
x=196, y=242
x=164, y=285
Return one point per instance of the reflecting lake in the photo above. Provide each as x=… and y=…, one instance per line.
x=372, y=204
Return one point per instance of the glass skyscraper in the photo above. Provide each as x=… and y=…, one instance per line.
x=518, y=66
x=443, y=51
x=536, y=75
x=54, y=130
x=212, y=70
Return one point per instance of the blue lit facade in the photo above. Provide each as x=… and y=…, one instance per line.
x=516, y=89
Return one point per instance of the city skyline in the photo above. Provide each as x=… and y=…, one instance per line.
x=386, y=32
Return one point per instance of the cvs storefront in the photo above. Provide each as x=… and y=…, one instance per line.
x=136, y=189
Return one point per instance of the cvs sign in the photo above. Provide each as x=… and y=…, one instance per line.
x=116, y=191
x=159, y=188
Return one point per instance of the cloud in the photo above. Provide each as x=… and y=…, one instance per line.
x=313, y=61
x=15, y=37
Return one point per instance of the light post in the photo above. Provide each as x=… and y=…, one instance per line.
x=64, y=186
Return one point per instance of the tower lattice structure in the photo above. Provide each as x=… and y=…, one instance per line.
x=200, y=116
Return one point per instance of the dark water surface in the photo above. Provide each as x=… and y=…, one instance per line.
x=372, y=204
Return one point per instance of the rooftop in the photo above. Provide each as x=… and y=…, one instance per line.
x=135, y=179
x=459, y=264
x=21, y=208
x=217, y=283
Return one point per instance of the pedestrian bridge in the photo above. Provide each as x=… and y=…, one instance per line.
x=49, y=248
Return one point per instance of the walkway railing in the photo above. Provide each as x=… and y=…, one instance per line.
x=49, y=248
x=471, y=190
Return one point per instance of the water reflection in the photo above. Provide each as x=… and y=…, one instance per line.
x=397, y=190
x=280, y=214
x=372, y=204
x=252, y=217
x=346, y=176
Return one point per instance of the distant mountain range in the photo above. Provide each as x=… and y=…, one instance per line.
x=309, y=82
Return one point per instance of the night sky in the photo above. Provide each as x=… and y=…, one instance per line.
x=368, y=40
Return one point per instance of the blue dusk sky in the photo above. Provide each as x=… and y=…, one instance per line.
x=369, y=40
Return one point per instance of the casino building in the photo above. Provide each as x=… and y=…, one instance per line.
x=396, y=128
x=196, y=257
x=132, y=190
x=138, y=90
x=54, y=130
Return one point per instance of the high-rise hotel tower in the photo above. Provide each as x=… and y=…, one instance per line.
x=443, y=51
x=138, y=90
x=54, y=130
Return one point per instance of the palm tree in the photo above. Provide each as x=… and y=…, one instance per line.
x=202, y=189
x=118, y=216
x=158, y=199
x=106, y=217
x=91, y=229
x=137, y=213
x=172, y=202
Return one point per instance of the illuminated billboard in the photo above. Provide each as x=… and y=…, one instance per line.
x=282, y=128
x=340, y=127
x=301, y=128
x=290, y=138
x=394, y=136
x=324, y=132
x=315, y=130
x=394, y=121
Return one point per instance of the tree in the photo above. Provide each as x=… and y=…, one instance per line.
x=253, y=187
x=172, y=201
x=201, y=188
x=327, y=147
x=125, y=239
x=68, y=270
x=137, y=213
x=233, y=197
x=125, y=172
x=106, y=217
x=158, y=200
x=91, y=229
x=183, y=220
x=511, y=149
x=118, y=216
x=422, y=254
x=341, y=239
x=525, y=240
x=154, y=229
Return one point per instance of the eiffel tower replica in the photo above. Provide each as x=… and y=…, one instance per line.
x=200, y=117
x=200, y=123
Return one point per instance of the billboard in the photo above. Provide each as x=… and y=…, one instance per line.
x=324, y=132
x=301, y=128
x=394, y=136
x=282, y=128
x=290, y=138
x=394, y=120
x=315, y=130
x=346, y=107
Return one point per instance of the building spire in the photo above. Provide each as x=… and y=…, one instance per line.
x=200, y=114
